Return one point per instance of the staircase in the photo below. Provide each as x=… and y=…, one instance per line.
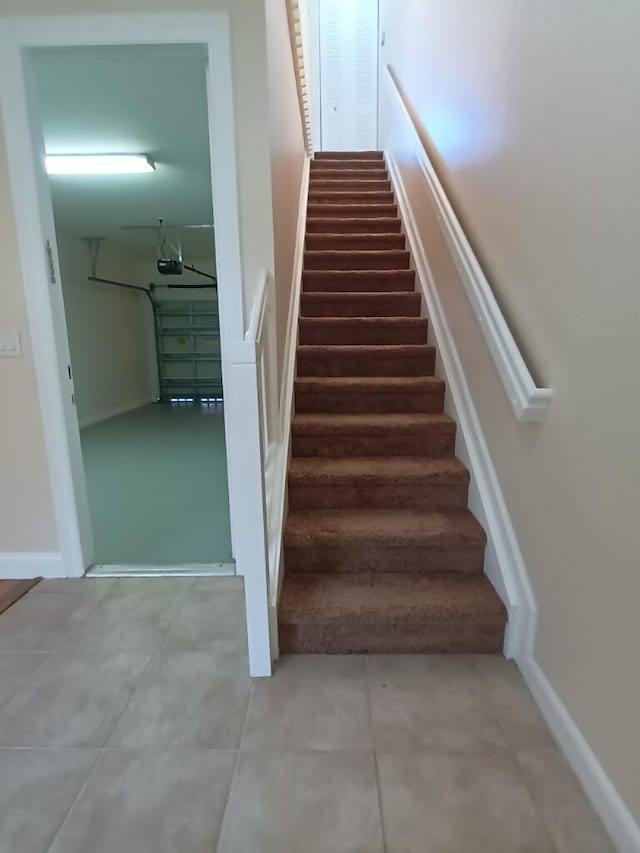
x=381, y=553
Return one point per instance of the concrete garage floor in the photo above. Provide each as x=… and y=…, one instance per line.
x=157, y=485
x=128, y=723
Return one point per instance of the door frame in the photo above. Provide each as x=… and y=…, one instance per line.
x=41, y=272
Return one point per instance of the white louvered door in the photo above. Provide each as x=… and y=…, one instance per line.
x=349, y=74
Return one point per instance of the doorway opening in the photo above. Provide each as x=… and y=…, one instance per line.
x=139, y=307
x=344, y=66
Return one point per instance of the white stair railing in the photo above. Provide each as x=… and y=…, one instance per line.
x=296, y=13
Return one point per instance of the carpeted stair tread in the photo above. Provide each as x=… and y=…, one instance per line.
x=379, y=240
x=356, y=259
x=348, y=155
x=392, y=596
x=362, y=330
x=384, y=482
x=382, y=360
x=357, y=281
x=343, y=196
x=377, y=304
x=351, y=164
x=320, y=471
x=337, y=182
x=383, y=527
x=351, y=211
x=313, y=424
x=368, y=225
x=373, y=435
x=369, y=394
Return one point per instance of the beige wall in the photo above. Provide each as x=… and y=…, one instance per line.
x=287, y=157
x=530, y=111
x=27, y=521
x=108, y=330
x=26, y=512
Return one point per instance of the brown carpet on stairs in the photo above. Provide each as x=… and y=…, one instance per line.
x=381, y=552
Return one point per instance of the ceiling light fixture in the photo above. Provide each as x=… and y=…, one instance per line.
x=98, y=164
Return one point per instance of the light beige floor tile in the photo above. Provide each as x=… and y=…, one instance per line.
x=519, y=717
x=423, y=701
x=93, y=588
x=574, y=826
x=156, y=587
x=290, y=802
x=37, y=789
x=39, y=623
x=310, y=702
x=73, y=700
x=437, y=802
x=133, y=621
x=150, y=802
x=187, y=699
x=209, y=621
x=16, y=668
x=219, y=584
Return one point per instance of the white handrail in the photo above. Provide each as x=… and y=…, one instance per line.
x=252, y=334
x=529, y=401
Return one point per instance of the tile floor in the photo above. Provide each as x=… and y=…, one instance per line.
x=128, y=722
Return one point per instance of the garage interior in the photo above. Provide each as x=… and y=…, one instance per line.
x=137, y=262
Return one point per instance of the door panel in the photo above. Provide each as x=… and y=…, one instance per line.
x=349, y=74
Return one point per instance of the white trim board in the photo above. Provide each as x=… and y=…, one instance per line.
x=25, y=565
x=107, y=414
x=528, y=401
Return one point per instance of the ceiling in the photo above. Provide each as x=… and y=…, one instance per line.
x=136, y=99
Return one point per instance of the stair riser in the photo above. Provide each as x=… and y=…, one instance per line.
x=369, y=402
x=348, y=155
x=324, y=281
x=393, y=444
x=460, y=637
x=400, y=305
x=344, y=260
x=351, y=211
x=417, y=559
x=390, y=496
x=350, y=197
x=355, y=335
x=350, y=242
x=350, y=165
x=353, y=226
x=366, y=364
x=382, y=185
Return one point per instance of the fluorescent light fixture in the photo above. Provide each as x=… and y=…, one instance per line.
x=98, y=164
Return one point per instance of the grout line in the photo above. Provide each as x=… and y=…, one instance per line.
x=81, y=789
x=375, y=754
x=235, y=766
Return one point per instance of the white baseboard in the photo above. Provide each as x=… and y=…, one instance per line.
x=504, y=564
x=90, y=420
x=34, y=564
x=604, y=797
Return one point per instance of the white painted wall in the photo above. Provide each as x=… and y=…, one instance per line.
x=529, y=111
x=108, y=331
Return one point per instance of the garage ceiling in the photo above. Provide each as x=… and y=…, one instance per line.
x=138, y=99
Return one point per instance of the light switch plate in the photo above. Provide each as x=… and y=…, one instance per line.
x=10, y=344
